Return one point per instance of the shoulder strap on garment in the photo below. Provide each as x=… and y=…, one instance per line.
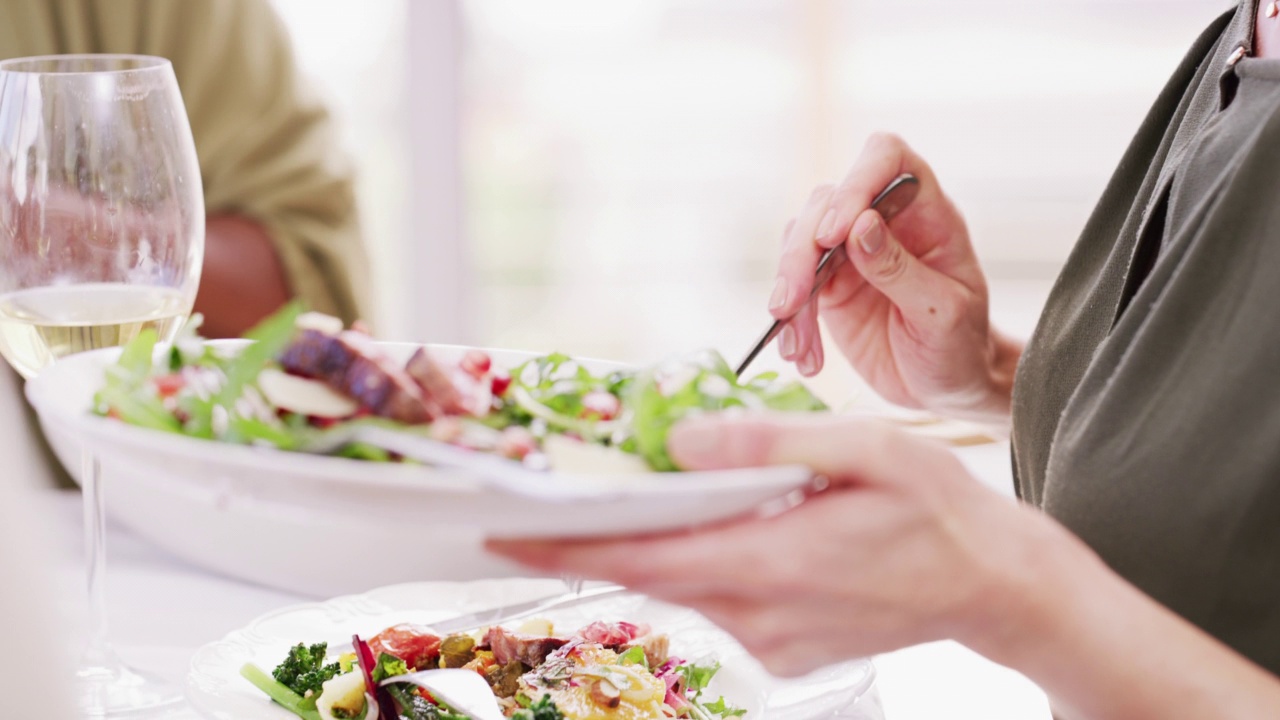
x=1150, y=133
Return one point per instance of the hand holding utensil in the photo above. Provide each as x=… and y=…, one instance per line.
x=896, y=196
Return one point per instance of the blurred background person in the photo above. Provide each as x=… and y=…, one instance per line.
x=279, y=193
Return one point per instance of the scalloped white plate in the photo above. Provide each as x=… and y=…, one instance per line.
x=216, y=690
x=272, y=517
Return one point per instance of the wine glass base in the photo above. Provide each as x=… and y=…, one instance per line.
x=118, y=692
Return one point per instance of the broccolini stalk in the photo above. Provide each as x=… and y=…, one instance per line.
x=282, y=695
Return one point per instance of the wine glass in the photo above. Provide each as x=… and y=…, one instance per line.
x=101, y=237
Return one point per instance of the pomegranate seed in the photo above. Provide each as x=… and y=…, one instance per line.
x=169, y=385
x=600, y=405
x=516, y=442
x=475, y=363
x=498, y=386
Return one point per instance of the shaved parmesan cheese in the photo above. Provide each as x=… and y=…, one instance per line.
x=303, y=396
x=571, y=456
x=327, y=324
x=538, y=627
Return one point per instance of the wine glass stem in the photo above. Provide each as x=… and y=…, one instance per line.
x=97, y=654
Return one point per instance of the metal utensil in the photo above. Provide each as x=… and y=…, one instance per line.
x=896, y=196
x=464, y=691
x=517, y=611
x=406, y=444
x=485, y=470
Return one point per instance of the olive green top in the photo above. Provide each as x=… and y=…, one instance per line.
x=267, y=146
x=1147, y=404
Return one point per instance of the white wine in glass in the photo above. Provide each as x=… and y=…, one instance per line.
x=101, y=237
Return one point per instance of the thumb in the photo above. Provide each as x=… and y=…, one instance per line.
x=846, y=450
x=919, y=292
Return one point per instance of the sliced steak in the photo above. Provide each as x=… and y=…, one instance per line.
x=437, y=383
x=528, y=649
x=350, y=363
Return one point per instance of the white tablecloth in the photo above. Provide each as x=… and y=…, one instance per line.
x=162, y=609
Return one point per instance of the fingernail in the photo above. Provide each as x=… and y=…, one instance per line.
x=828, y=224
x=870, y=234
x=694, y=443
x=779, y=297
x=787, y=343
x=808, y=365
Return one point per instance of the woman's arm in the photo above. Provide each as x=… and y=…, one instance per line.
x=1103, y=650
x=904, y=548
x=243, y=279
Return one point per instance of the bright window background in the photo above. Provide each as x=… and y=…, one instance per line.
x=626, y=167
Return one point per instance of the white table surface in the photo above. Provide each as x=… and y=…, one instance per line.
x=162, y=609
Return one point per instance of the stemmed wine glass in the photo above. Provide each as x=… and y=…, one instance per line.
x=101, y=236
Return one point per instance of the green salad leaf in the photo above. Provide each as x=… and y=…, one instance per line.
x=634, y=656
x=126, y=392
x=696, y=679
x=664, y=396
x=553, y=394
x=270, y=338
x=723, y=709
x=552, y=389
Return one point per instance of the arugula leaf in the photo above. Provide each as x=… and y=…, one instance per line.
x=697, y=677
x=270, y=338
x=249, y=431
x=724, y=710
x=126, y=393
x=791, y=397
x=136, y=357
x=634, y=656
x=664, y=396
x=551, y=389
x=364, y=451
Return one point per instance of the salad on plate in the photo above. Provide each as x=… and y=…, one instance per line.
x=305, y=377
x=603, y=671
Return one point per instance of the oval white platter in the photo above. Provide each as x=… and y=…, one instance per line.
x=216, y=690
x=266, y=515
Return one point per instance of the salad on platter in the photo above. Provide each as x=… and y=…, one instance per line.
x=305, y=377
x=603, y=671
